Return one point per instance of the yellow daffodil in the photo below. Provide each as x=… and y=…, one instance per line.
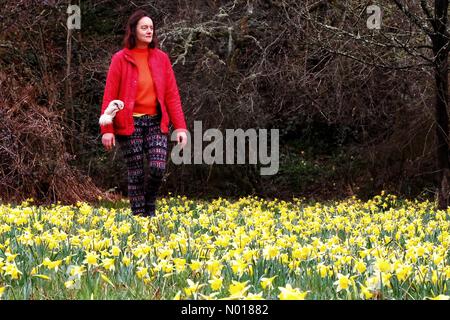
x=440, y=297
x=343, y=282
x=142, y=272
x=238, y=289
x=360, y=266
x=108, y=264
x=216, y=283
x=267, y=282
x=12, y=270
x=366, y=293
x=115, y=251
x=91, y=259
x=271, y=252
x=51, y=264
x=254, y=296
x=2, y=291
x=69, y=284
x=192, y=288
x=195, y=265
x=289, y=293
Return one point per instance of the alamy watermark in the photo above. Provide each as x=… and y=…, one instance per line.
x=74, y=18
x=213, y=153
x=374, y=20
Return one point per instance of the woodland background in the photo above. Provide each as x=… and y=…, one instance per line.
x=355, y=106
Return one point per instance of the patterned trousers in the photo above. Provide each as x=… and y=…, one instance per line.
x=147, y=140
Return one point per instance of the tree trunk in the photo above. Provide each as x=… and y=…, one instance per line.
x=440, y=49
x=69, y=118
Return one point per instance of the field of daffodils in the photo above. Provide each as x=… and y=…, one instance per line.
x=246, y=249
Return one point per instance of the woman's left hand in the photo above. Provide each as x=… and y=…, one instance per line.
x=182, y=138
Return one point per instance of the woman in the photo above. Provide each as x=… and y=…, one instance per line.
x=141, y=76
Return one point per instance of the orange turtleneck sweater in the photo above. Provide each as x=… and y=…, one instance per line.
x=146, y=96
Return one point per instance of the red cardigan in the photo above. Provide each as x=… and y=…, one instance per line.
x=121, y=84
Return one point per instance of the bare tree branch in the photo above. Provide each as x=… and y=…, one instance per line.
x=427, y=11
x=413, y=18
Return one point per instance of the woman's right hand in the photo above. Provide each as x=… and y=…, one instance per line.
x=109, y=141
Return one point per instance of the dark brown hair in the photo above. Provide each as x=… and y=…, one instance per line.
x=130, y=39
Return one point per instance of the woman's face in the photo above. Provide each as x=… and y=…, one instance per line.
x=144, y=30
